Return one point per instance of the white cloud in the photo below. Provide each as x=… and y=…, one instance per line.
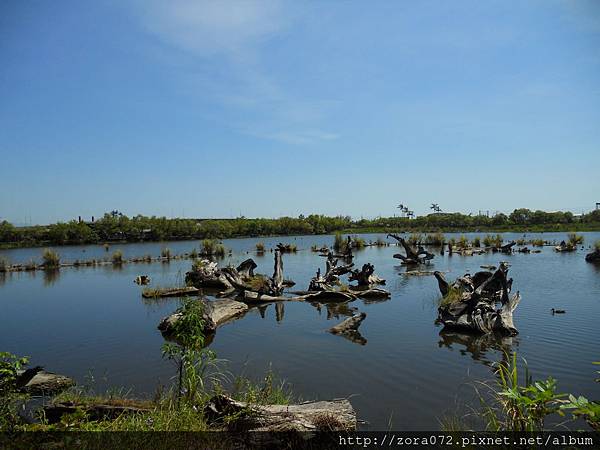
x=232, y=34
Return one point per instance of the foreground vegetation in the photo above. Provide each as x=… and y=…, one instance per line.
x=118, y=227
x=518, y=403
x=199, y=376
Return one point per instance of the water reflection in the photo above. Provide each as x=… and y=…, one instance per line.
x=478, y=347
x=51, y=276
x=279, y=311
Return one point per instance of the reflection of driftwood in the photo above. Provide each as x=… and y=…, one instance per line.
x=216, y=313
x=336, y=415
x=370, y=292
x=171, y=292
x=477, y=345
x=419, y=256
x=349, y=328
x=469, y=303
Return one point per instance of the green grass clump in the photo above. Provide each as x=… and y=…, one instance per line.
x=210, y=247
x=4, y=264
x=454, y=295
x=165, y=253
x=597, y=245
x=258, y=283
x=340, y=243
x=380, y=242
x=117, y=257
x=575, y=239
x=537, y=242
x=194, y=253
x=476, y=242
x=493, y=241
x=463, y=242
x=51, y=259
x=270, y=391
x=521, y=241
x=415, y=238
x=260, y=247
x=358, y=243
x=435, y=239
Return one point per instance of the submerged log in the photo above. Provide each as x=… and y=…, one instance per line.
x=335, y=415
x=470, y=302
x=171, y=292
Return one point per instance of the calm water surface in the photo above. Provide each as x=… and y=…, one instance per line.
x=93, y=322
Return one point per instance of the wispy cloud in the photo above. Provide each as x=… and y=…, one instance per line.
x=233, y=35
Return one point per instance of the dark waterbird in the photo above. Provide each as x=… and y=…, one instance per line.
x=26, y=376
x=558, y=311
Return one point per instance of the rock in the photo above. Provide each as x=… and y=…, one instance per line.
x=47, y=383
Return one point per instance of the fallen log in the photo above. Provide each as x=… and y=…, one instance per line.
x=99, y=411
x=335, y=415
x=170, y=292
x=370, y=292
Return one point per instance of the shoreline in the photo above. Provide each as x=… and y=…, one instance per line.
x=556, y=228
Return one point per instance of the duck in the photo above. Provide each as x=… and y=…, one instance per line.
x=558, y=311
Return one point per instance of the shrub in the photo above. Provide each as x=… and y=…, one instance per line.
x=117, y=257
x=51, y=259
x=260, y=247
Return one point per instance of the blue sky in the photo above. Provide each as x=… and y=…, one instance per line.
x=270, y=108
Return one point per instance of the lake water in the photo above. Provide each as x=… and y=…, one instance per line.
x=92, y=321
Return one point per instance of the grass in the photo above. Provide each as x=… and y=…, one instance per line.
x=521, y=241
x=258, y=283
x=31, y=265
x=117, y=257
x=493, y=241
x=454, y=295
x=340, y=244
x=380, y=242
x=415, y=238
x=476, y=242
x=165, y=253
x=4, y=264
x=51, y=259
x=574, y=239
x=537, y=242
x=597, y=246
x=437, y=239
x=462, y=242
x=210, y=247
x=260, y=247
x=194, y=253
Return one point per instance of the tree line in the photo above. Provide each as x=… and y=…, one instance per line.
x=118, y=227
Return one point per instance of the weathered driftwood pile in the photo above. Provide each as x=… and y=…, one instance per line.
x=413, y=257
x=470, y=302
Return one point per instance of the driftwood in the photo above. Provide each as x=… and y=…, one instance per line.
x=335, y=415
x=370, y=293
x=216, y=313
x=246, y=268
x=469, y=303
x=349, y=328
x=593, y=257
x=565, y=247
x=142, y=279
x=206, y=274
x=419, y=256
x=366, y=276
x=333, y=272
x=171, y=292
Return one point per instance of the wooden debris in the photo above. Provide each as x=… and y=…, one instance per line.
x=171, y=292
